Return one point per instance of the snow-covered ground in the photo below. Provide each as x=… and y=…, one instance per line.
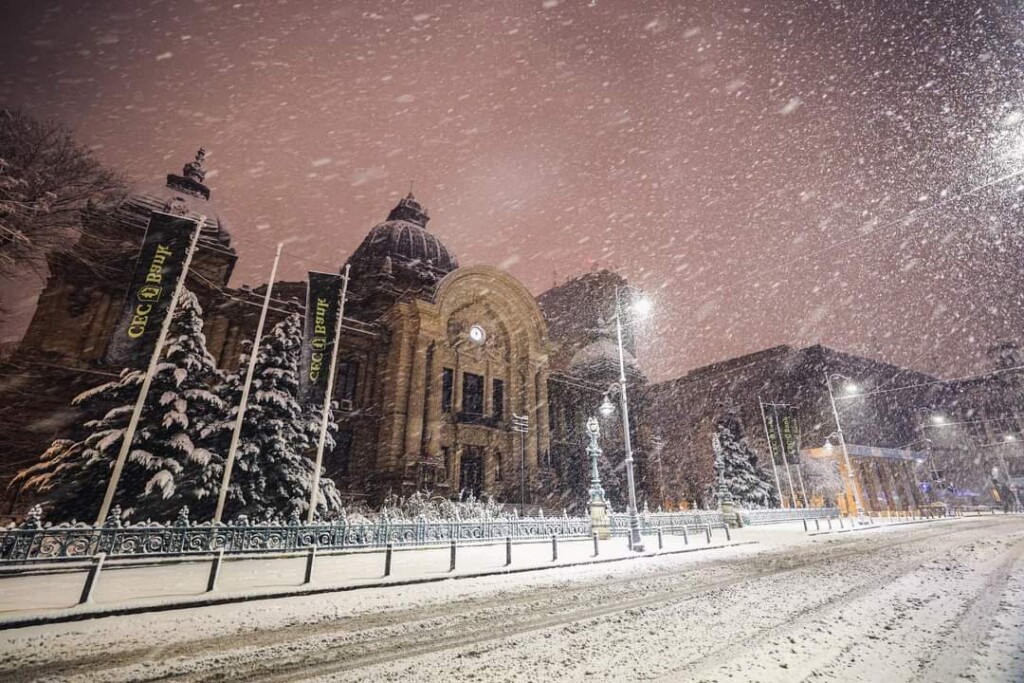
x=935, y=602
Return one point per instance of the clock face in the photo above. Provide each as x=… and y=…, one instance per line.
x=477, y=335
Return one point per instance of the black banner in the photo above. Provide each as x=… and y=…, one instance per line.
x=323, y=298
x=784, y=433
x=161, y=261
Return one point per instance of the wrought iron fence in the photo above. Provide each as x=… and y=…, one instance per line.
x=650, y=522
x=25, y=544
x=779, y=515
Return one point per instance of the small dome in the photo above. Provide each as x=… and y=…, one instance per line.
x=599, y=357
x=183, y=195
x=403, y=243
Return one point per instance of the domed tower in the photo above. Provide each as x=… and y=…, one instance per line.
x=183, y=195
x=82, y=300
x=398, y=259
x=598, y=360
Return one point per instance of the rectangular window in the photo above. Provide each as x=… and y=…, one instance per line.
x=342, y=454
x=472, y=394
x=347, y=377
x=498, y=398
x=447, y=385
x=499, y=473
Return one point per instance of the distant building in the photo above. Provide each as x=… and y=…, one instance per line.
x=912, y=438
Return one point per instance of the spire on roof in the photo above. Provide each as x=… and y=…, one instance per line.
x=194, y=169
x=191, y=179
x=410, y=210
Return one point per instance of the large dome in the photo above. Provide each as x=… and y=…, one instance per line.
x=184, y=195
x=403, y=243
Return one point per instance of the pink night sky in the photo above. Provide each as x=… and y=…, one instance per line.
x=771, y=172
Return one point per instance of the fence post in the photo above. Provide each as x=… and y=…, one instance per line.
x=707, y=530
x=817, y=524
x=211, y=582
x=554, y=547
x=728, y=537
x=661, y=540
x=805, y=524
x=92, y=577
x=597, y=550
x=310, y=559
x=388, y=552
x=841, y=522
x=829, y=520
x=508, y=551
x=451, y=563
x=686, y=537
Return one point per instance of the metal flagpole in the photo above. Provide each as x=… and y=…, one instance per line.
x=799, y=472
x=327, y=401
x=236, y=433
x=782, y=452
x=767, y=435
x=154, y=359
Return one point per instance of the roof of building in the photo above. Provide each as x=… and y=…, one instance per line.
x=184, y=195
x=403, y=242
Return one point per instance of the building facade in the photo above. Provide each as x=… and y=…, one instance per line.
x=434, y=359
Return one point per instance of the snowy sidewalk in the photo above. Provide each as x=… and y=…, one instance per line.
x=128, y=585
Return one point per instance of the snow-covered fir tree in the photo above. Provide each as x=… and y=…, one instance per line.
x=165, y=469
x=745, y=476
x=273, y=469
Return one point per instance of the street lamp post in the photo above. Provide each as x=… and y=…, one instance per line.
x=842, y=443
x=636, y=541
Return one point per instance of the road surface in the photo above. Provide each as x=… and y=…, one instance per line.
x=934, y=602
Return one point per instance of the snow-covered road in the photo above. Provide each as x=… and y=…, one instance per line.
x=929, y=603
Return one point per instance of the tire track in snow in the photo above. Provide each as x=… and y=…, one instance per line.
x=325, y=660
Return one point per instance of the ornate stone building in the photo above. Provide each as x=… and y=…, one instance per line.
x=434, y=359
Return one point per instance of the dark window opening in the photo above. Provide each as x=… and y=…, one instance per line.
x=342, y=454
x=447, y=385
x=347, y=378
x=472, y=394
x=498, y=398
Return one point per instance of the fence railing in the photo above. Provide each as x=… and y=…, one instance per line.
x=668, y=521
x=777, y=516
x=26, y=544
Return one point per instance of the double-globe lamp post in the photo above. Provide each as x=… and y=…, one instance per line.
x=642, y=306
x=851, y=389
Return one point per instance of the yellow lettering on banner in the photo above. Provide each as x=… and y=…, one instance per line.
x=140, y=320
x=316, y=362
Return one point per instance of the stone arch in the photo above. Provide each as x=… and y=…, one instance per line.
x=516, y=308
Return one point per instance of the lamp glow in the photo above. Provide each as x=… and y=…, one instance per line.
x=643, y=306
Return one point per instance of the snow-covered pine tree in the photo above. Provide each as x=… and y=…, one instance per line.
x=748, y=481
x=273, y=468
x=165, y=470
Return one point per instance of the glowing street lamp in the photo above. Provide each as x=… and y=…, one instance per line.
x=851, y=388
x=641, y=307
